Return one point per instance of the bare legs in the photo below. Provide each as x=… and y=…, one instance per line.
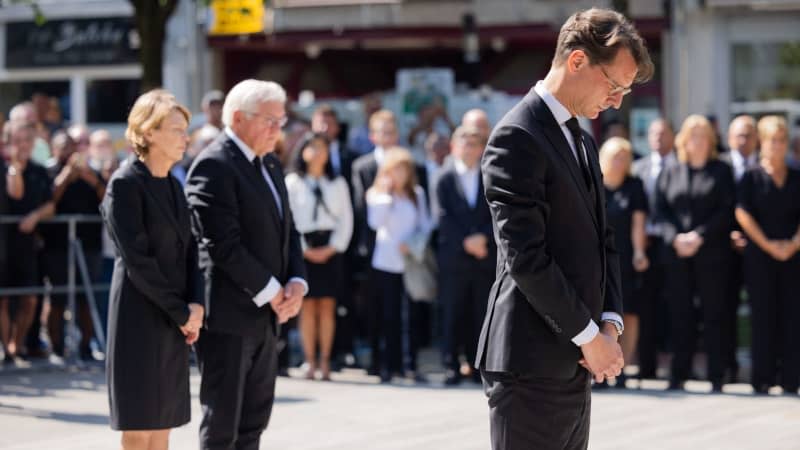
x=145, y=440
x=318, y=324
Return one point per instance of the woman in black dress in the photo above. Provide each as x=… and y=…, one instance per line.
x=155, y=311
x=769, y=211
x=626, y=209
x=694, y=208
x=323, y=216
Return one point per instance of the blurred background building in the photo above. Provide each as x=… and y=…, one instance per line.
x=716, y=57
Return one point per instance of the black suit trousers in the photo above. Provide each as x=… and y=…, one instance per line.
x=237, y=388
x=528, y=412
x=773, y=287
x=685, y=279
x=386, y=320
x=653, y=315
x=464, y=297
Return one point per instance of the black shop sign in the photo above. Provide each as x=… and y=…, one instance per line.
x=75, y=42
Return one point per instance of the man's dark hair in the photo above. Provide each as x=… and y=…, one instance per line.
x=326, y=110
x=601, y=33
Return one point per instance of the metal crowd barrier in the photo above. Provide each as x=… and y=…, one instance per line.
x=76, y=262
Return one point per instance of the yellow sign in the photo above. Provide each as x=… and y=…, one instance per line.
x=236, y=17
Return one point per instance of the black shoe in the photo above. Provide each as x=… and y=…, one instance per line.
x=386, y=377
x=621, y=379
x=790, y=390
x=373, y=371
x=453, y=378
x=283, y=372
x=761, y=389
x=675, y=385
x=716, y=387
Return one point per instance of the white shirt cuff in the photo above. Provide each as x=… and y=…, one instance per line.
x=588, y=333
x=301, y=281
x=609, y=315
x=268, y=293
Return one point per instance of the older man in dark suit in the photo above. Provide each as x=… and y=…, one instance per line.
x=557, y=268
x=252, y=258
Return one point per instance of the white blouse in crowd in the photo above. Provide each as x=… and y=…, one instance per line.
x=395, y=219
x=336, y=215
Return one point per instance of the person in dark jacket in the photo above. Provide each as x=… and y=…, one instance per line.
x=156, y=290
x=694, y=206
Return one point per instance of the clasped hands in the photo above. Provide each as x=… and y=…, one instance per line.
x=191, y=329
x=602, y=356
x=476, y=245
x=686, y=245
x=288, y=301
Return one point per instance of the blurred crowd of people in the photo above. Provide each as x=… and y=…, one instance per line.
x=399, y=248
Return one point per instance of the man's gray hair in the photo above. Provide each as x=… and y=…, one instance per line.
x=247, y=95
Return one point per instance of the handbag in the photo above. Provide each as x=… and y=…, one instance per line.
x=420, y=275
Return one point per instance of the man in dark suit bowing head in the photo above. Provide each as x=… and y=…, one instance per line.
x=554, y=312
x=253, y=263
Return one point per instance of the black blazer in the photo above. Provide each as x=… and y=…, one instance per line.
x=705, y=206
x=557, y=267
x=243, y=239
x=364, y=171
x=457, y=220
x=156, y=265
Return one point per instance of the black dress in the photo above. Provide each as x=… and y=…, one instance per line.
x=771, y=284
x=621, y=203
x=155, y=277
x=22, y=247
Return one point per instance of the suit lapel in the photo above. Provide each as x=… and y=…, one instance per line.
x=459, y=189
x=159, y=199
x=257, y=181
x=556, y=137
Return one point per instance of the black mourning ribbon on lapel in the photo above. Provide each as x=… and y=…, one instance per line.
x=575, y=131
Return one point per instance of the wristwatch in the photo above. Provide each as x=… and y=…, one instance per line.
x=620, y=328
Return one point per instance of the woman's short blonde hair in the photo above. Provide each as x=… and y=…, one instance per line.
x=692, y=122
x=769, y=126
x=149, y=111
x=611, y=148
x=400, y=157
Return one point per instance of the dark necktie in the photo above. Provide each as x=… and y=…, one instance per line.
x=575, y=131
x=258, y=163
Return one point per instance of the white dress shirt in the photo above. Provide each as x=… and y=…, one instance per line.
x=336, y=216
x=433, y=172
x=741, y=164
x=265, y=295
x=394, y=219
x=335, y=157
x=469, y=179
x=562, y=114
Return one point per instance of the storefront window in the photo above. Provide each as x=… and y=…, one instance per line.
x=766, y=71
x=109, y=101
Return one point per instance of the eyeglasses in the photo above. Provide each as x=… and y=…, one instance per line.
x=616, y=88
x=271, y=122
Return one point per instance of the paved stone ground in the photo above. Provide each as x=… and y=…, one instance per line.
x=63, y=409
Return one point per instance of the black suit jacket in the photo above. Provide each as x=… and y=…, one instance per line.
x=243, y=239
x=557, y=267
x=364, y=171
x=705, y=206
x=156, y=267
x=457, y=220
